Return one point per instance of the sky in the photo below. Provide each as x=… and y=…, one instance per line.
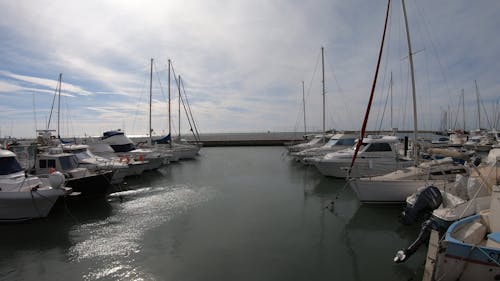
x=242, y=64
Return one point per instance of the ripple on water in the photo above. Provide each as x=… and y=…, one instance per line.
x=110, y=243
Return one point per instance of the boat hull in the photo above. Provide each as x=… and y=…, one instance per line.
x=389, y=191
x=362, y=168
x=94, y=185
x=23, y=205
x=463, y=261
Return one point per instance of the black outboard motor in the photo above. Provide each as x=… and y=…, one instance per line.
x=423, y=237
x=428, y=200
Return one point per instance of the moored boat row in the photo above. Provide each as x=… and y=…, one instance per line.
x=54, y=169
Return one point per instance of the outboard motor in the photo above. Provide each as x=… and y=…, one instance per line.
x=423, y=237
x=476, y=160
x=427, y=200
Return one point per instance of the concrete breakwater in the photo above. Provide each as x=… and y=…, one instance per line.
x=248, y=139
x=270, y=138
x=234, y=139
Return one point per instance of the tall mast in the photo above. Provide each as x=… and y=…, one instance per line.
x=410, y=56
x=150, y=102
x=370, y=100
x=478, y=107
x=390, y=85
x=304, y=107
x=169, y=111
x=323, y=73
x=179, y=116
x=59, y=106
x=463, y=107
x=449, y=119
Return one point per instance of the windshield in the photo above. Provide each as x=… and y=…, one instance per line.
x=316, y=140
x=348, y=142
x=82, y=155
x=68, y=162
x=9, y=165
x=331, y=142
x=360, y=147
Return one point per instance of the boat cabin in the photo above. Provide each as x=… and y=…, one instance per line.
x=56, y=159
x=381, y=144
x=118, y=141
x=341, y=140
x=8, y=163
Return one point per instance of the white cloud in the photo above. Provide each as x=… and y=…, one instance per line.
x=242, y=61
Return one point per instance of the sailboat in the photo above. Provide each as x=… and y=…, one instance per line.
x=396, y=186
x=319, y=139
x=177, y=150
x=378, y=154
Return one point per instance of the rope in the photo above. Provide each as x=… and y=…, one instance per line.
x=483, y=183
x=461, y=215
x=22, y=183
x=348, y=180
x=69, y=212
x=34, y=202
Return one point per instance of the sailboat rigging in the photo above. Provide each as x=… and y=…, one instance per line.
x=370, y=100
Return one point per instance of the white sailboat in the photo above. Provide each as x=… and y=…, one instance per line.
x=166, y=145
x=319, y=139
x=394, y=187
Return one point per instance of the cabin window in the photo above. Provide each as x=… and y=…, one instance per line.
x=51, y=163
x=345, y=142
x=375, y=147
x=68, y=162
x=9, y=165
x=42, y=164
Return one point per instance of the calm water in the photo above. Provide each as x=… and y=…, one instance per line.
x=233, y=214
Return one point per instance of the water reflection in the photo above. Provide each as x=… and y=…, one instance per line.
x=115, y=240
x=374, y=234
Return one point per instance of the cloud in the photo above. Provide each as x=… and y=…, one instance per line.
x=246, y=55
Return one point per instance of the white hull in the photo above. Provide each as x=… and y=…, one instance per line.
x=130, y=170
x=362, y=167
x=153, y=163
x=24, y=205
x=186, y=152
x=389, y=191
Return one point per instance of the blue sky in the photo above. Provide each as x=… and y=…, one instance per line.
x=243, y=63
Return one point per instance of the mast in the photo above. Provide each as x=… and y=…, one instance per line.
x=370, y=100
x=150, y=102
x=390, y=85
x=410, y=56
x=59, y=106
x=34, y=114
x=169, y=111
x=478, y=107
x=463, y=107
x=304, y=108
x=323, y=82
x=179, y=116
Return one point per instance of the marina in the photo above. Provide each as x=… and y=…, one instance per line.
x=234, y=213
x=385, y=167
